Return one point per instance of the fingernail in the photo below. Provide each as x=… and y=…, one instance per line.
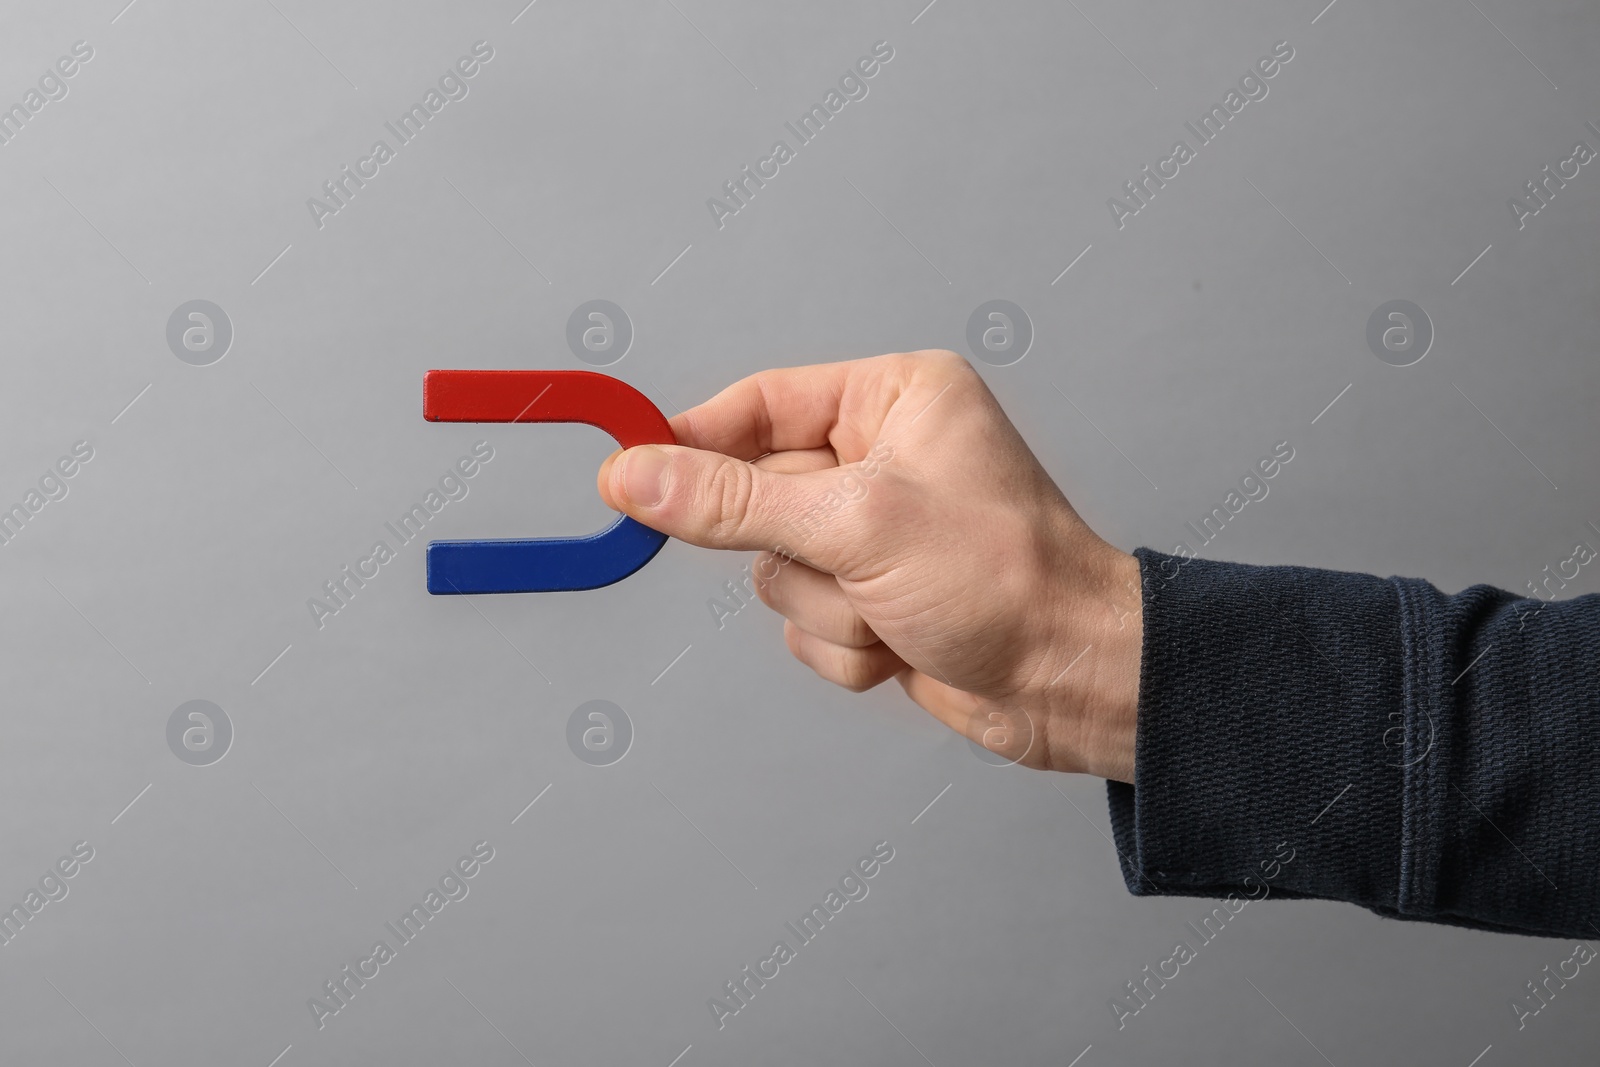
x=644, y=475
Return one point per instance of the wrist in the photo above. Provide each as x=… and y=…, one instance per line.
x=1111, y=703
x=1086, y=696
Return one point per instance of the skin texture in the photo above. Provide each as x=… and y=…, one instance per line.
x=906, y=531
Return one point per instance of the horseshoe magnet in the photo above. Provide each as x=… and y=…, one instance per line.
x=551, y=564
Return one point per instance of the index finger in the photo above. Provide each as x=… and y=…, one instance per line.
x=837, y=405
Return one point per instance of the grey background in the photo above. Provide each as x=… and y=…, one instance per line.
x=412, y=726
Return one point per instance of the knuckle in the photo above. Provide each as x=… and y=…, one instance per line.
x=859, y=634
x=857, y=672
x=728, y=492
x=767, y=590
x=951, y=363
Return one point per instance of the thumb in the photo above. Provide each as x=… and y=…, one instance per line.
x=716, y=501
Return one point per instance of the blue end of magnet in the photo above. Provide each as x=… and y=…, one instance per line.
x=546, y=565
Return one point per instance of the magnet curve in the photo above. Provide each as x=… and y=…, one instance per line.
x=549, y=564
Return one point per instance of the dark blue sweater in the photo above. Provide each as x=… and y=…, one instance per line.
x=1426, y=756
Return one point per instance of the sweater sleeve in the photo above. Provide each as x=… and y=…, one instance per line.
x=1315, y=734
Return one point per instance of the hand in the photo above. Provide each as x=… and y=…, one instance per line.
x=908, y=533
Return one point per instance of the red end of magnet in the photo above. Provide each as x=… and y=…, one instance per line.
x=583, y=396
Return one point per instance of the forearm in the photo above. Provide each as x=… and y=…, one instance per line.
x=1423, y=755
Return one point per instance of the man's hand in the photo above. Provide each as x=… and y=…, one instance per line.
x=907, y=532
